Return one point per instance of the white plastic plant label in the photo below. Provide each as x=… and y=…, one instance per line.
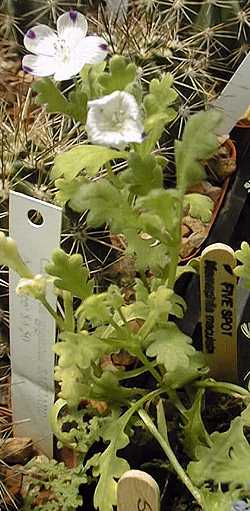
x=36, y=227
x=235, y=98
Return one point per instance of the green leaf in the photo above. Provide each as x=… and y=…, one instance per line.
x=170, y=346
x=226, y=460
x=142, y=175
x=165, y=205
x=67, y=189
x=199, y=143
x=199, y=206
x=194, y=430
x=106, y=204
x=88, y=157
x=49, y=95
x=61, y=483
x=89, y=79
x=81, y=349
x=77, y=105
x=70, y=274
x=108, y=466
x=101, y=307
x=95, y=308
x=243, y=270
x=218, y=500
x=147, y=254
x=161, y=95
x=121, y=74
x=75, y=429
x=157, y=105
x=141, y=291
x=184, y=375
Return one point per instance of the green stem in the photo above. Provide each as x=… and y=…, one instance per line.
x=222, y=387
x=139, y=354
x=59, y=321
x=69, y=322
x=133, y=373
x=171, y=456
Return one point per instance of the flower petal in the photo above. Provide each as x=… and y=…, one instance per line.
x=39, y=65
x=91, y=50
x=72, y=26
x=66, y=69
x=41, y=40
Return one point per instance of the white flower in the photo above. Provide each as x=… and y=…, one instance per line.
x=62, y=54
x=114, y=120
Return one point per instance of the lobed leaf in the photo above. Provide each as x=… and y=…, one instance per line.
x=243, y=270
x=120, y=75
x=142, y=175
x=171, y=347
x=70, y=274
x=199, y=143
x=199, y=206
x=88, y=157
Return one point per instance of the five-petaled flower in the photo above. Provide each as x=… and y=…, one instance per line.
x=62, y=54
x=114, y=120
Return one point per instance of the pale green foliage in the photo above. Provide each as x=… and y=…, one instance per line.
x=227, y=458
x=48, y=94
x=198, y=144
x=70, y=274
x=142, y=175
x=171, y=347
x=93, y=326
x=88, y=157
x=243, y=270
x=76, y=429
x=121, y=73
x=199, y=206
x=108, y=465
x=194, y=430
x=62, y=483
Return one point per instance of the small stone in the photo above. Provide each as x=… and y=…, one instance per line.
x=191, y=244
x=195, y=224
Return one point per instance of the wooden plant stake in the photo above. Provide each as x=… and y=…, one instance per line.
x=218, y=310
x=138, y=491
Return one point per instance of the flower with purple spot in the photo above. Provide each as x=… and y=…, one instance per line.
x=62, y=54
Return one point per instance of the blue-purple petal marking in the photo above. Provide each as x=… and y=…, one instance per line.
x=31, y=34
x=27, y=69
x=104, y=47
x=73, y=15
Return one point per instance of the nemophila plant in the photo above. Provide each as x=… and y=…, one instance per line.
x=100, y=404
